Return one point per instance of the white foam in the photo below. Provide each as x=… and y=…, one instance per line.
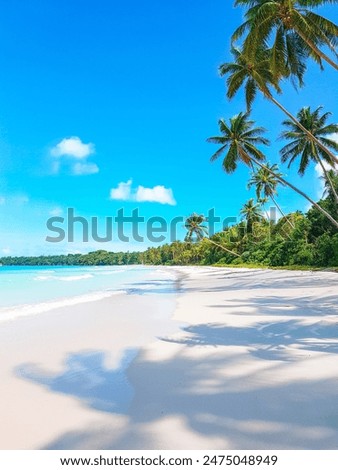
x=64, y=278
x=9, y=314
x=166, y=274
x=74, y=278
x=107, y=273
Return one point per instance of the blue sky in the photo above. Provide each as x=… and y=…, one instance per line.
x=131, y=91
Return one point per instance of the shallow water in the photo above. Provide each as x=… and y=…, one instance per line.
x=31, y=290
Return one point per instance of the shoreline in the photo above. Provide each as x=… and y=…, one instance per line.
x=67, y=367
x=11, y=312
x=237, y=359
x=333, y=269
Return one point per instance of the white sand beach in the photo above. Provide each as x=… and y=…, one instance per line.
x=237, y=359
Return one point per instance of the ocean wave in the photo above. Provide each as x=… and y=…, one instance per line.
x=74, y=278
x=12, y=313
x=107, y=273
x=166, y=274
x=64, y=278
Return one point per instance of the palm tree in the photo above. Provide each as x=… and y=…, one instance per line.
x=301, y=146
x=251, y=213
x=266, y=184
x=295, y=29
x=196, y=231
x=238, y=143
x=239, y=139
x=255, y=74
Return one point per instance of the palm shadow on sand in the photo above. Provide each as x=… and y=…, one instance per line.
x=250, y=415
x=266, y=340
x=85, y=377
x=268, y=409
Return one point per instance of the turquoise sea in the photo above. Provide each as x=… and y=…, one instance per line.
x=28, y=290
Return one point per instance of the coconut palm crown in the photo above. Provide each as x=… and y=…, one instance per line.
x=304, y=149
x=266, y=182
x=195, y=228
x=295, y=30
x=301, y=147
x=252, y=73
x=238, y=140
x=251, y=213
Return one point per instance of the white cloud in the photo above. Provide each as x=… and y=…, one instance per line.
x=160, y=194
x=72, y=147
x=68, y=152
x=57, y=211
x=6, y=251
x=122, y=192
x=2, y=201
x=156, y=194
x=84, y=169
x=334, y=137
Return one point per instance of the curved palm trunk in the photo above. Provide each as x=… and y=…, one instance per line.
x=323, y=211
x=223, y=248
x=280, y=210
x=317, y=51
x=335, y=195
x=298, y=124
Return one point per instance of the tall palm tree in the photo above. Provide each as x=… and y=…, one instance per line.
x=196, y=231
x=251, y=213
x=255, y=74
x=266, y=184
x=238, y=144
x=301, y=146
x=293, y=26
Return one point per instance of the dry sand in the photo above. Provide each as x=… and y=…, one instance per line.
x=248, y=360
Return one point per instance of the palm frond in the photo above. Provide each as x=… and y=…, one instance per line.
x=240, y=31
x=278, y=54
x=229, y=164
x=330, y=143
x=250, y=93
x=219, y=152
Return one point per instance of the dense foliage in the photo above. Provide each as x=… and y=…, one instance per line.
x=95, y=258
x=309, y=241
